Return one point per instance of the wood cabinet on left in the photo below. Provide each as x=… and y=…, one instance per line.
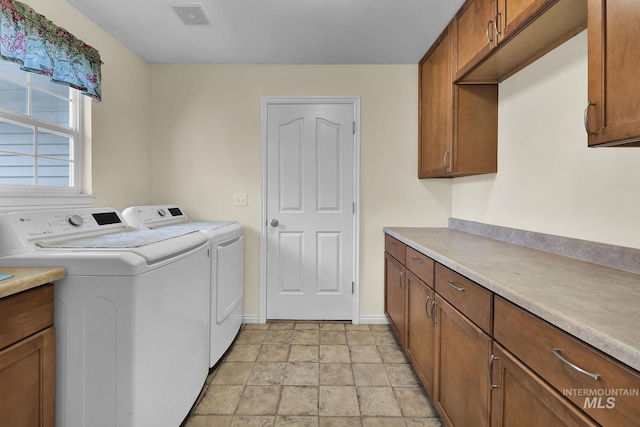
x=27, y=359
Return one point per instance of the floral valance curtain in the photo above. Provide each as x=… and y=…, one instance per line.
x=40, y=46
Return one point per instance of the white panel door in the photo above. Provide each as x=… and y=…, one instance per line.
x=310, y=196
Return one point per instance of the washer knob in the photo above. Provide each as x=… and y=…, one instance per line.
x=162, y=212
x=75, y=220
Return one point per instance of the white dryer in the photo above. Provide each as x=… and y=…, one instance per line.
x=227, y=267
x=131, y=315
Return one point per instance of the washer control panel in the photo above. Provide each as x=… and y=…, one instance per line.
x=52, y=224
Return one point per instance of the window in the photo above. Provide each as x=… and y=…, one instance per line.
x=40, y=133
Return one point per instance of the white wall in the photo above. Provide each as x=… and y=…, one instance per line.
x=205, y=147
x=548, y=180
x=118, y=173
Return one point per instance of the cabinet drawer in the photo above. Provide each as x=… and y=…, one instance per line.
x=395, y=247
x=25, y=313
x=420, y=265
x=471, y=299
x=611, y=399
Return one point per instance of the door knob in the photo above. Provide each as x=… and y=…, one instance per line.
x=274, y=222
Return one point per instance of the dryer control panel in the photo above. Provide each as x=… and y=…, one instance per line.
x=153, y=216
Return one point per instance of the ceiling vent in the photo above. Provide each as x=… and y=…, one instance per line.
x=193, y=14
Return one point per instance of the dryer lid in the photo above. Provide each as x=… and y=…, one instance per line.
x=197, y=225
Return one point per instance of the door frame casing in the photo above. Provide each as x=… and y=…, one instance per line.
x=265, y=101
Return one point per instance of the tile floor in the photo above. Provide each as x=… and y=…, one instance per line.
x=314, y=374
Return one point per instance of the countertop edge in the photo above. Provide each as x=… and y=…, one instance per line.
x=28, y=278
x=595, y=338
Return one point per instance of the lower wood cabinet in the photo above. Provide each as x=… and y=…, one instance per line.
x=27, y=382
x=521, y=398
x=421, y=329
x=27, y=359
x=395, y=295
x=585, y=375
x=461, y=393
x=487, y=362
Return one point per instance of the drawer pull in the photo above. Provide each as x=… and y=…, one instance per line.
x=491, y=384
x=417, y=260
x=556, y=352
x=394, y=244
x=457, y=288
x=426, y=306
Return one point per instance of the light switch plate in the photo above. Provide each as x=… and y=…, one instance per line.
x=240, y=199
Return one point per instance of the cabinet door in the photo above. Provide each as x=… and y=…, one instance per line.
x=613, y=113
x=435, y=117
x=461, y=393
x=27, y=382
x=421, y=329
x=472, y=110
x=394, y=295
x=514, y=14
x=475, y=36
x=518, y=393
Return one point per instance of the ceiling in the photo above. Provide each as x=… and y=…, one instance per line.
x=275, y=31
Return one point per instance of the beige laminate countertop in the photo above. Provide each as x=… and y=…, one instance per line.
x=600, y=305
x=27, y=278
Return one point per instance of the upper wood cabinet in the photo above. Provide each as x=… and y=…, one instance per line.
x=514, y=14
x=435, y=93
x=497, y=38
x=458, y=125
x=613, y=114
x=475, y=28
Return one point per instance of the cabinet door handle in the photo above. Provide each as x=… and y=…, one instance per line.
x=401, y=284
x=433, y=311
x=416, y=260
x=446, y=154
x=556, y=352
x=586, y=118
x=457, y=288
x=426, y=306
x=489, y=24
x=491, y=384
x=495, y=25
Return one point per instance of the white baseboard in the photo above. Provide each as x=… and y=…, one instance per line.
x=250, y=318
x=374, y=319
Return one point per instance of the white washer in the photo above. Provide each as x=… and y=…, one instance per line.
x=227, y=267
x=131, y=315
